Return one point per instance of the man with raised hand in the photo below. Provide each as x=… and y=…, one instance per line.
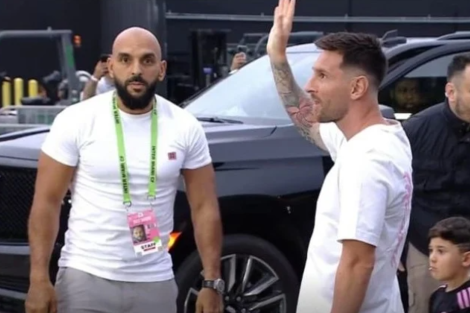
x=363, y=210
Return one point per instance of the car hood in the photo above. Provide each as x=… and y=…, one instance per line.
x=26, y=144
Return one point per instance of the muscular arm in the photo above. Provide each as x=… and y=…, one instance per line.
x=352, y=277
x=51, y=185
x=297, y=103
x=200, y=189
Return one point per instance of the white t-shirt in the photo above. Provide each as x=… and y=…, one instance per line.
x=366, y=196
x=104, y=85
x=98, y=239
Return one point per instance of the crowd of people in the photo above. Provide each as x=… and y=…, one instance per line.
x=395, y=199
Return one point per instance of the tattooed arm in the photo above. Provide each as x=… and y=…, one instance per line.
x=297, y=103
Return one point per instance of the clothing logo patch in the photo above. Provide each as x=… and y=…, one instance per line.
x=171, y=155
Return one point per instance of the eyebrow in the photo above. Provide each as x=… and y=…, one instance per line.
x=145, y=55
x=431, y=247
x=319, y=69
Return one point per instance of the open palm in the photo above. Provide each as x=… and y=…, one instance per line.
x=282, y=27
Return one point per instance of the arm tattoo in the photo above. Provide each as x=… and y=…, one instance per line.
x=297, y=103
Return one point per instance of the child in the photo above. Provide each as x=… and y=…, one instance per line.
x=449, y=262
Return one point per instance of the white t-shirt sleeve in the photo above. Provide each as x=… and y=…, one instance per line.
x=61, y=143
x=100, y=87
x=197, y=148
x=364, y=184
x=332, y=137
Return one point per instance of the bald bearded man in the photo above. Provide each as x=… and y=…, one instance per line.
x=121, y=153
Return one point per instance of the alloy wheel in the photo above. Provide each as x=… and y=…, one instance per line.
x=251, y=286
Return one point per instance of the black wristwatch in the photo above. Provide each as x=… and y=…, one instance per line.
x=218, y=285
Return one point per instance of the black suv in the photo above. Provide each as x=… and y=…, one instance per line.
x=268, y=178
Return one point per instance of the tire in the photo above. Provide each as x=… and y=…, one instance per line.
x=189, y=276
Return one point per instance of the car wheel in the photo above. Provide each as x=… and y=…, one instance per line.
x=258, y=278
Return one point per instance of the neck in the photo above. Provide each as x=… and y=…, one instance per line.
x=125, y=109
x=457, y=281
x=460, y=112
x=359, y=117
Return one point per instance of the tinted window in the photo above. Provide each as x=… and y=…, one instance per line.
x=422, y=87
x=250, y=92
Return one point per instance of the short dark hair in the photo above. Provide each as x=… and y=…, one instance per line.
x=457, y=65
x=453, y=229
x=360, y=50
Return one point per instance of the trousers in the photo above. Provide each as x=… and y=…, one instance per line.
x=80, y=292
x=420, y=282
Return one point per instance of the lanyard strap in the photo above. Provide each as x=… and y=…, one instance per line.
x=122, y=154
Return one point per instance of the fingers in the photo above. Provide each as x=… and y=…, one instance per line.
x=198, y=307
x=285, y=8
x=282, y=5
x=240, y=55
x=291, y=9
x=53, y=307
x=278, y=16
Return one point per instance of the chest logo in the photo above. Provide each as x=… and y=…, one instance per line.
x=171, y=156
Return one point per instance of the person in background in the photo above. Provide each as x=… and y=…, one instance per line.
x=440, y=143
x=449, y=263
x=100, y=81
x=407, y=96
x=238, y=61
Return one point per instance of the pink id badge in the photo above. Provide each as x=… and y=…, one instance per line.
x=144, y=231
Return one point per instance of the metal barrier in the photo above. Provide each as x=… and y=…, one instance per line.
x=13, y=93
x=14, y=118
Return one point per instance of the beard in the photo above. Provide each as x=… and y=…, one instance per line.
x=132, y=102
x=327, y=111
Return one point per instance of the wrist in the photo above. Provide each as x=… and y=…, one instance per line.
x=94, y=78
x=217, y=285
x=39, y=277
x=211, y=275
x=278, y=57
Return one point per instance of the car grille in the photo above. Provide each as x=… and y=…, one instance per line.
x=8, y=305
x=14, y=283
x=16, y=197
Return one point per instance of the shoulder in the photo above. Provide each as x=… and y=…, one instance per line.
x=383, y=152
x=80, y=114
x=174, y=113
x=437, y=294
x=104, y=85
x=421, y=120
x=381, y=143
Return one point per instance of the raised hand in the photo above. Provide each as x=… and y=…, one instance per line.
x=281, y=29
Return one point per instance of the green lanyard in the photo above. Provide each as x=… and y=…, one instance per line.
x=122, y=154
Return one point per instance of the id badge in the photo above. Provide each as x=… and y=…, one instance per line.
x=144, y=231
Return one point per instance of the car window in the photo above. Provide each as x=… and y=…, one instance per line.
x=397, y=60
x=251, y=92
x=421, y=88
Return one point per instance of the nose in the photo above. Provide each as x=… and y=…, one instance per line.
x=311, y=86
x=136, y=68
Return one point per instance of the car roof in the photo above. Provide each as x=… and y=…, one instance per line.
x=411, y=42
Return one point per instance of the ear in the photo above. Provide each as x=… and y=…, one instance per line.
x=162, y=73
x=110, y=64
x=451, y=92
x=359, y=87
x=466, y=259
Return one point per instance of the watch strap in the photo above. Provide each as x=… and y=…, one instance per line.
x=208, y=284
x=217, y=285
